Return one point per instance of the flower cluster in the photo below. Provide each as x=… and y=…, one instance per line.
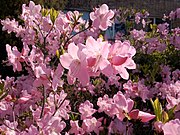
x=73, y=81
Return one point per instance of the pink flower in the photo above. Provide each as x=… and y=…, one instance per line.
x=62, y=23
x=75, y=61
x=120, y=127
x=24, y=99
x=136, y=90
x=91, y=124
x=120, y=56
x=143, y=116
x=163, y=28
x=138, y=34
x=101, y=17
x=14, y=57
x=97, y=54
x=32, y=11
x=172, y=127
x=158, y=126
x=123, y=105
x=10, y=25
x=86, y=110
x=57, y=77
x=75, y=129
x=106, y=104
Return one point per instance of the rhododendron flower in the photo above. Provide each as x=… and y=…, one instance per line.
x=62, y=23
x=172, y=127
x=120, y=56
x=91, y=124
x=136, y=90
x=120, y=127
x=163, y=28
x=158, y=126
x=57, y=77
x=138, y=34
x=86, y=110
x=101, y=17
x=14, y=57
x=106, y=104
x=97, y=54
x=123, y=105
x=75, y=129
x=75, y=61
x=10, y=25
x=30, y=11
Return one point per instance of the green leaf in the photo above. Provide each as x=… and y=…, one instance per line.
x=157, y=109
x=165, y=117
x=171, y=112
x=53, y=14
x=45, y=12
x=57, y=54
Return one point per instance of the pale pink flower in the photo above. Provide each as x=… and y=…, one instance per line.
x=14, y=57
x=62, y=23
x=119, y=127
x=97, y=54
x=163, y=28
x=138, y=34
x=75, y=61
x=10, y=25
x=57, y=77
x=75, y=129
x=122, y=104
x=172, y=127
x=86, y=110
x=91, y=124
x=106, y=104
x=101, y=17
x=120, y=56
x=136, y=90
x=158, y=126
x=32, y=11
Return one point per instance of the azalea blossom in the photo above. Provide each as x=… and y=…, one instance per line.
x=101, y=17
x=75, y=61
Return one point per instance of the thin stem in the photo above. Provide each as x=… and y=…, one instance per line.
x=76, y=34
x=43, y=103
x=9, y=126
x=58, y=107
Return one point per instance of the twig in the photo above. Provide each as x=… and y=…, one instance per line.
x=43, y=103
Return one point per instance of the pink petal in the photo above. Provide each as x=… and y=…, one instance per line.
x=134, y=114
x=103, y=9
x=145, y=117
x=123, y=72
x=72, y=50
x=118, y=60
x=66, y=60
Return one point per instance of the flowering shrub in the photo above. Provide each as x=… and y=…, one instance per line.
x=73, y=81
